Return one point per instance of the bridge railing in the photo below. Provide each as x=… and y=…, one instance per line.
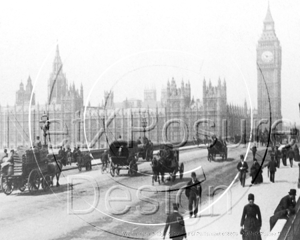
x=291, y=229
x=287, y=229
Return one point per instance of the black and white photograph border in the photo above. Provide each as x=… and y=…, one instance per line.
x=149, y=120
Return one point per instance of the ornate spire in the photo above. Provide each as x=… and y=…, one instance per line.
x=57, y=64
x=268, y=18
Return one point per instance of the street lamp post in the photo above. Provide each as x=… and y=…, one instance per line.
x=45, y=125
x=144, y=125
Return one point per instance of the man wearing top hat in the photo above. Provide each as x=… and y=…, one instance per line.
x=193, y=192
x=176, y=223
x=285, y=208
x=242, y=167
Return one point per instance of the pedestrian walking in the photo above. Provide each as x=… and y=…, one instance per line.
x=291, y=156
x=256, y=172
x=69, y=155
x=242, y=167
x=176, y=223
x=283, y=156
x=193, y=192
x=254, y=150
x=272, y=165
x=277, y=156
x=296, y=153
x=285, y=208
x=251, y=220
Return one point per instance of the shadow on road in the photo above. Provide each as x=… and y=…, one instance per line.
x=223, y=160
x=52, y=190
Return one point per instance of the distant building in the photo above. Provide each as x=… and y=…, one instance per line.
x=76, y=122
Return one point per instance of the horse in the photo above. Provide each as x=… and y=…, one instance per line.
x=162, y=166
x=54, y=168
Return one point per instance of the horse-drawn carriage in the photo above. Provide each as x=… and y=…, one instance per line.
x=167, y=161
x=217, y=148
x=122, y=156
x=145, y=150
x=28, y=168
x=84, y=159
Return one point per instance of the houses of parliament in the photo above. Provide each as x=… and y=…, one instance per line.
x=75, y=122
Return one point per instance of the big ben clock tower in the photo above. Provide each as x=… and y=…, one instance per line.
x=269, y=72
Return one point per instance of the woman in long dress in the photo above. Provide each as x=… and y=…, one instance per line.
x=251, y=220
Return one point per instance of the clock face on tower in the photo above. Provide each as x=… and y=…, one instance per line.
x=267, y=56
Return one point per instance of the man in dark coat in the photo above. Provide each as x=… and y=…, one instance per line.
x=291, y=156
x=254, y=150
x=176, y=223
x=272, y=165
x=193, y=192
x=285, y=208
x=283, y=156
x=242, y=167
x=277, y=156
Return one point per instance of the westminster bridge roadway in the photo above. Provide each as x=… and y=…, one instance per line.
x=48, y=215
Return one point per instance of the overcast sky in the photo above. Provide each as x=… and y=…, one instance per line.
x=129, y=45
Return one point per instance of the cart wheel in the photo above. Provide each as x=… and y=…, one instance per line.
x=6, y=185
x=88, y=166
x=46, y=181
x=181, y=170
x=34, y=180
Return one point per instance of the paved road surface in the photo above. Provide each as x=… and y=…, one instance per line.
x=46, y=216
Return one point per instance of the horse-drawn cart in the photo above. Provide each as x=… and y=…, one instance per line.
x=26, y=168
x=217, y=148
x=167, y=161
x=84, y=159
x=122, y=156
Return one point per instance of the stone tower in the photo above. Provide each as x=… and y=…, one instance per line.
x=269, y=72
x=215, y=105
x=23, y=96
x=57, y=83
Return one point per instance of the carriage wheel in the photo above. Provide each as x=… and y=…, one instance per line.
x=7, y=186
x=46, y=182
x=181, y=170
x=88, y=166
x=34, y=181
